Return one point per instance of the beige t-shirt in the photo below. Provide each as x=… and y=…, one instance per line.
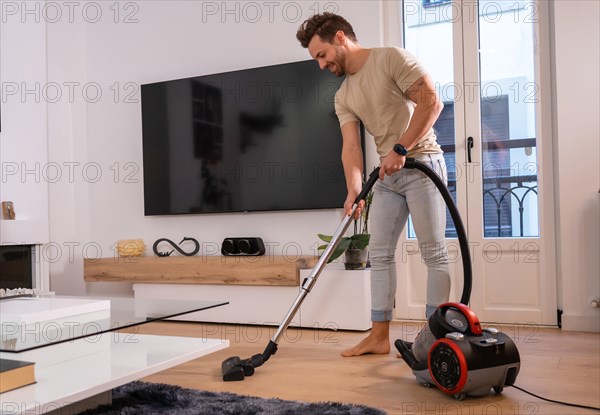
x=376, y=96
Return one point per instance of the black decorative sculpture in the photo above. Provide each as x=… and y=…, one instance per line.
x=176, y=247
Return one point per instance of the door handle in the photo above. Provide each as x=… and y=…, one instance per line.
x=469, y=147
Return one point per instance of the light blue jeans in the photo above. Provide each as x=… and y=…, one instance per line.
x=406, y=192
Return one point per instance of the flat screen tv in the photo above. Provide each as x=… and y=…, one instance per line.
x=260, y=139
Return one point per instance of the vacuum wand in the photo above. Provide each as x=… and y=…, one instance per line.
x=235, y=368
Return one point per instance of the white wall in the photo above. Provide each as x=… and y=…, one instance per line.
x=577, y=149
x=69, y=203
x=23, y=140
x=100, y=137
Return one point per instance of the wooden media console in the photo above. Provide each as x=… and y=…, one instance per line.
x=260, y=290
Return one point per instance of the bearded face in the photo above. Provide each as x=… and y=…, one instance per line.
x=337, y=65
x=330, y=56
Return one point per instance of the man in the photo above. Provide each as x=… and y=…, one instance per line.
x=389, y=91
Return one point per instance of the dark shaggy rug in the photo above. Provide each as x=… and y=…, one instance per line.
x=154, y=398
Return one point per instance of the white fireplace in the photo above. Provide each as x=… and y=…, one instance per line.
x=23, y=239
x=23, y=269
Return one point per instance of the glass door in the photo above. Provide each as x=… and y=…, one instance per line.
x=483, y=56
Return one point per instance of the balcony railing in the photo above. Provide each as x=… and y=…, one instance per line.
x=502, y=193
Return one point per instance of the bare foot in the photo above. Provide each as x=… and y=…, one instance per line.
x=377, y=342
x=369, y=345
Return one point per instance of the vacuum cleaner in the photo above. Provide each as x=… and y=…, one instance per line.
x=463, y=359
x=455, y=353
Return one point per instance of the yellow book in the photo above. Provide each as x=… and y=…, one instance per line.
x=15, y=374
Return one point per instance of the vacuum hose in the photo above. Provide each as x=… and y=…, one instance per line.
x=411, y=163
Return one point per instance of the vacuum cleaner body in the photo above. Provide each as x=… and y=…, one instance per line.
x=463, y=359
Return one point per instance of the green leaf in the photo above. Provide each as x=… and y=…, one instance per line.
x=362, y=237
x=356, y=241
x=326, y=238
x=339, y=250
x=360, y=240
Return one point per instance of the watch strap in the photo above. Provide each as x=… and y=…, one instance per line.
x=400, y=149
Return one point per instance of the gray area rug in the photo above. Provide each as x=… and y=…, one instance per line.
x=154, y=398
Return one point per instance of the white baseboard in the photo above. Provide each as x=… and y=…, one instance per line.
x=572, y=322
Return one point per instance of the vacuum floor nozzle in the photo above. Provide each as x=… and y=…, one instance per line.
x=405, y=349
x=235, y=368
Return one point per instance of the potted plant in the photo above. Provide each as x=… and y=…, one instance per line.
x=354, y=247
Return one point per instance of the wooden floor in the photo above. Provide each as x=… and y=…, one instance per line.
x=554, y=364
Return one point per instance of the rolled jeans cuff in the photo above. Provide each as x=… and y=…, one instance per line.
x=381, y=315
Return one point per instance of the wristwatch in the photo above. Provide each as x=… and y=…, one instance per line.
x=400, y=149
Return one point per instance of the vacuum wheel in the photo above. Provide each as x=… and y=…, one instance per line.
x=498, y=389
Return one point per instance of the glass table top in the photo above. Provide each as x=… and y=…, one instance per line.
x=31, y=322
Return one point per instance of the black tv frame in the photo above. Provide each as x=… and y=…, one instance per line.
x=153, y=185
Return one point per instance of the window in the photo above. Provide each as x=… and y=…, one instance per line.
x=432, y=3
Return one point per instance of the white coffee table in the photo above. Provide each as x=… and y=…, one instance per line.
x=87, y=368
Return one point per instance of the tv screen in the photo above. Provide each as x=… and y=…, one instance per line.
x=261, y=139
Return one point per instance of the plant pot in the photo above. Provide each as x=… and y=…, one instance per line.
x=355, y=258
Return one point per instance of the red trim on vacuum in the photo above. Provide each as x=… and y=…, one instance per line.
x=461, y=361
x=472, y=318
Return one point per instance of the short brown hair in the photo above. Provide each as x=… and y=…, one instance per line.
x=324, y=25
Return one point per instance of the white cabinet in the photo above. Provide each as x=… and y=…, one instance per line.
x=340, y=299
x=260, y=305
